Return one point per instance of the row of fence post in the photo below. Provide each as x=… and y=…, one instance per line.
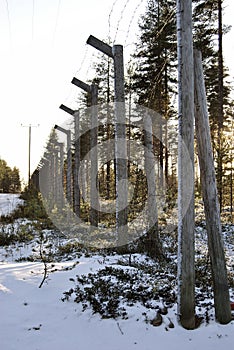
x=55, y=164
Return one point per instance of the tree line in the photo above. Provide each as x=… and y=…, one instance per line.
x=154, y=79
x=9, y=178
x=151, y=81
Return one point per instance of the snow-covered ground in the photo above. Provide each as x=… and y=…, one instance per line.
x=8, y=202
x=34, y=318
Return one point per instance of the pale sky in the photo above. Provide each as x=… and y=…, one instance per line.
x=42, y=46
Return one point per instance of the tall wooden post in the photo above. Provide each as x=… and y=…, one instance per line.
x=76, y=188
x=153, y=241
x=231, y=161
x=120, y=147
x=116, y=53
x=69, y=163
x=56, y=172
x=61, y=175
x=50, y=178
x=77, y=164
x=186, y=273
x=69, y=168
x=210, y=197
x=94, y=195
x=44, y=179
x=94, y=199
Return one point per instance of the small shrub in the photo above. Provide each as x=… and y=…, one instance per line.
x=110, y=289
x=70, y=248
x=12, y=233
x=6, y=237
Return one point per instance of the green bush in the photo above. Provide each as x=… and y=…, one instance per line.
x=109, y=290
x=12, y=233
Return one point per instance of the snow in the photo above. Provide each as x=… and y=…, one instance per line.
x=34, y=318
x=8, y=202
x=37, y=319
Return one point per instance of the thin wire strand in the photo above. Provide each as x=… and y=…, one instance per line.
x=33, y=14
x=56, y=21
x=109, y=17
x=90, y=64
x=77, y=72
x=132, y=18
x=9, y=22
x=120, y=18
x=83, y=60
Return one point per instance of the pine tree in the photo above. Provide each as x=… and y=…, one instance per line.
x=5, y=176
x=154, y=76
x=15, y=181
x=104, y=79
x=155, y=55
x=9, y=178
x=208, y=27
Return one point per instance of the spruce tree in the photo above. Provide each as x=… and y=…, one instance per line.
x=9, y=178
x=155, y=74
x=15, y=181
x=155, y=55
x=208, y=30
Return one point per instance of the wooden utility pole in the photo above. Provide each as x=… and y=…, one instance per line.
x=116, y=53
x=210, y=197
x=29, y=154
x=186, y=269
x=29, y=148
x=94, y=193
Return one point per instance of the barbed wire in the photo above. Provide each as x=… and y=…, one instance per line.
x=83, y=60
x=131, y=20
x=109, y=17
x=90, y=64
x=130, y=44
x=120, y=18
x=77, y=72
